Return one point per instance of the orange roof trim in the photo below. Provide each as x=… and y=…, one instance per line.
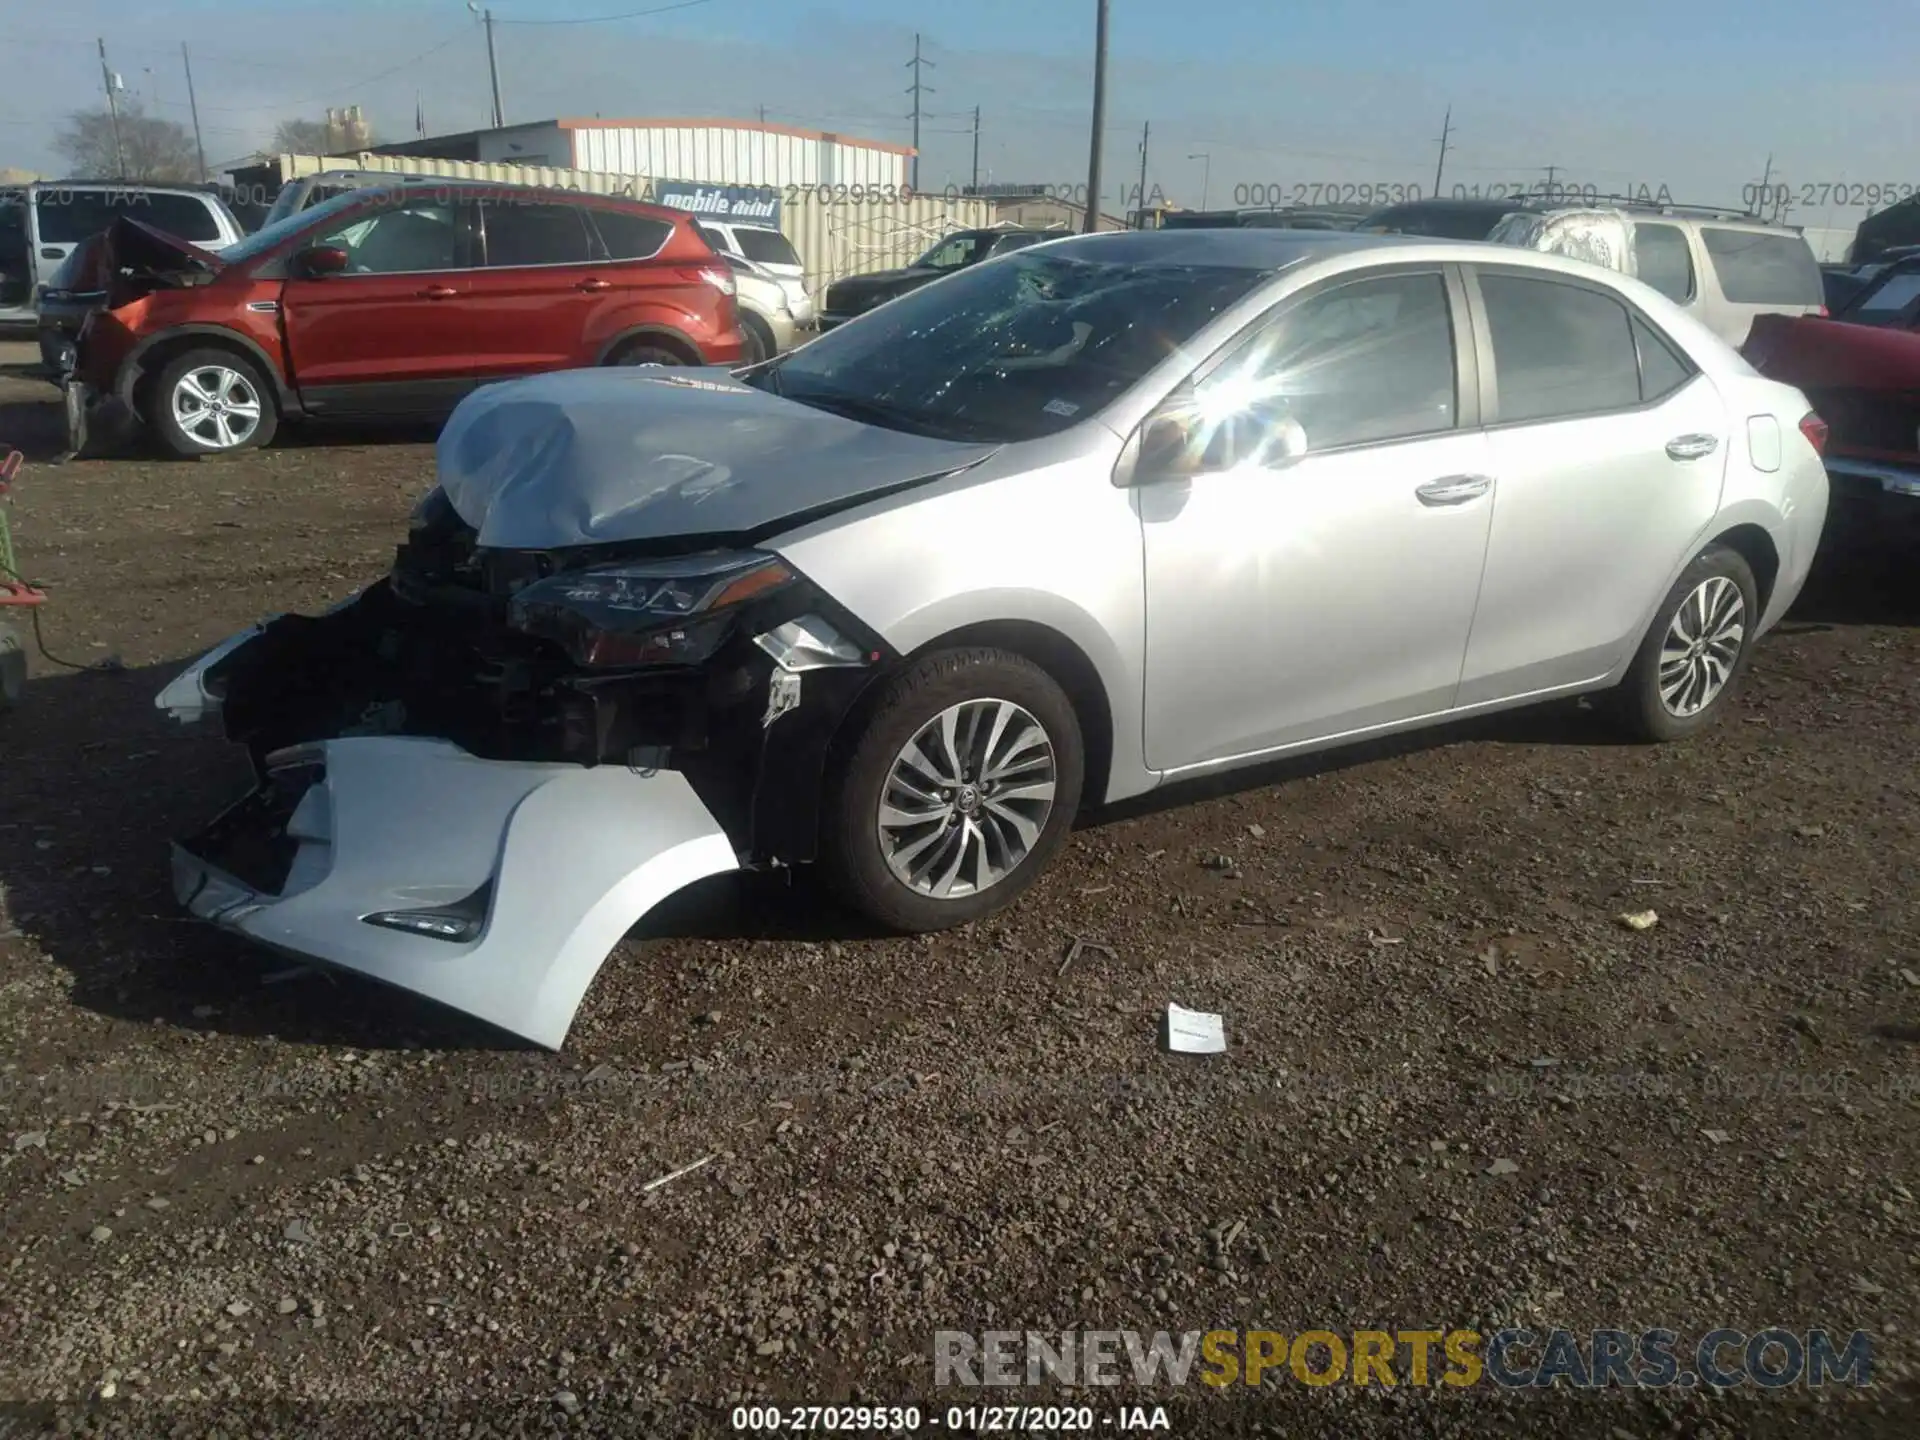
x=708, y=122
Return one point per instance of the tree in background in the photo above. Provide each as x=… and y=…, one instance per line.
x=150, y=149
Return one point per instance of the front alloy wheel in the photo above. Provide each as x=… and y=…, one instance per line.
x=216, y=405
x=955, y=785
x=967, y=799
x=211, y=402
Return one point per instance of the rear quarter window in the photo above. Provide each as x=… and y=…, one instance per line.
x=1758, y=268
x=631, y=237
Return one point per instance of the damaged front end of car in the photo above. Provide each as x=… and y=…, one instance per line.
x=480, y=772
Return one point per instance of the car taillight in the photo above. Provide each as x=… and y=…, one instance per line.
x=720, y=279
x=1815, y=429
x=1822, y=313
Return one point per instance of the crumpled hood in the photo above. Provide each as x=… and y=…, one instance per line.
x=587, y=457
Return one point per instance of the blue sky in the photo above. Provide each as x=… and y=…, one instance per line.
x=1632, y=93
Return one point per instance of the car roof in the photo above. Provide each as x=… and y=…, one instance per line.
x=113, y=187
x=1231, y=247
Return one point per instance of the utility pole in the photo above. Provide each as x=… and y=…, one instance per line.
x=1146, y=130
x=194, y=106
x=915, y=90
x=113, y=109
x=976, y=147
x=763, y=114
x=1765, y=194
x=493, y=73
x=1446, y=133
x=1551, y=170
x=1206, y=175
x=1091, y=222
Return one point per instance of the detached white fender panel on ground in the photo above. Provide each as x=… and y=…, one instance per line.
x=575, y=856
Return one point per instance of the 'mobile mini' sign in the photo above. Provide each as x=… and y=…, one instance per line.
x=720, y=202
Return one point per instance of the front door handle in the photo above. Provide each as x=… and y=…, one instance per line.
x=594, y=284
x=438, y=292
x=1454, y=489
x=52, y=252
x=1692, y=447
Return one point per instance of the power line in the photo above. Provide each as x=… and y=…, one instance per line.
x=608, y=19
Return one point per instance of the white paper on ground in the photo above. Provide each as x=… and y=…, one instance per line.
x=1195, y=1032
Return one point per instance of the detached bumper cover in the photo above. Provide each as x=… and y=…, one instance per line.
x=570, y=858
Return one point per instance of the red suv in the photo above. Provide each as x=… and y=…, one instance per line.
x=392, y=302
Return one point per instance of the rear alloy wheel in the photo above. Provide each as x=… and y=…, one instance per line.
x=961, y=786
x=1695, y=651
x=212, y=402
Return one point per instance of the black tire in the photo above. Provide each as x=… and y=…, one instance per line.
x=13, y=668
x=641, y=353
x=187, y=443
x=853, y=862
x=1638, y=703
x=756, y=340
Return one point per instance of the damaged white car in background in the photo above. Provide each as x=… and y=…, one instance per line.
x=1112, y=510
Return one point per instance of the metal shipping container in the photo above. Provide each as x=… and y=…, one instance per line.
x=273, y=171
x=838, y=239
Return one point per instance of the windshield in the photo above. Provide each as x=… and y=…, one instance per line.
x=1011, y=350
x=766, y=247
x=1886, y=302
x=276, y=232
x=956, y=252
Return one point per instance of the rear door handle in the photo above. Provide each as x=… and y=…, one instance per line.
x=1454, y=489
x=1692, y=447
x=594, y=284
x=438, y=292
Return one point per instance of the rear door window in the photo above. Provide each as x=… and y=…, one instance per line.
x=534, y=234
x=1664, y=260
x=1756, y=267
x=1559, y=350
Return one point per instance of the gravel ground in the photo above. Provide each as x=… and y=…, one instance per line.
x=1459, y=1090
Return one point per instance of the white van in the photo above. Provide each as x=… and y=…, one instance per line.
x=1722, y=267
x=41, y=223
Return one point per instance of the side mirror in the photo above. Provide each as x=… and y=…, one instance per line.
x=1178, y=444
x=321, y=260
x=1167, y=449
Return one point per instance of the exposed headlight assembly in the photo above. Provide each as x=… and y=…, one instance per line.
x=672, y=611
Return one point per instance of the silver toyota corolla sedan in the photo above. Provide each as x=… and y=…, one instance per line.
x=1109, y=512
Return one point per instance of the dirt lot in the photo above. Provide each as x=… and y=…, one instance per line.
x=1459, y=1091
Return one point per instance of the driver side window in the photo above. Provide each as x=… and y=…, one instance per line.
x=1368, y=361
x=417, y=237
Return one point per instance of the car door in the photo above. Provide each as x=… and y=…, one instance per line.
x=537, y=288
x=388, y=335
x=1317, y=575
x=1609, y=449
